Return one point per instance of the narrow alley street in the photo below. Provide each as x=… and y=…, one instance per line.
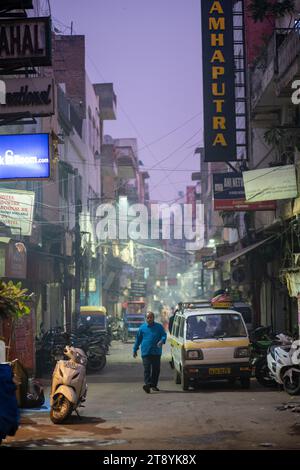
x=119, y=415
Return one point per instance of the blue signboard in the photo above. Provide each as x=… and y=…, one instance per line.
x=24, y=156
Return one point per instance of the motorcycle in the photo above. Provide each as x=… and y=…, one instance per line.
x=284, y=364
x=94, y=349
x=261, y=340
x=69, y=388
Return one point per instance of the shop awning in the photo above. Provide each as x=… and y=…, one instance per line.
x=238, y=253
x=5, y=240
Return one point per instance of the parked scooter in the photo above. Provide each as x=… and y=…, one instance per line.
x=261, y=339
x=69, y=388
x=284, y=364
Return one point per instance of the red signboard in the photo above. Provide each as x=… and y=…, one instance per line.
x=20, y=339
x=242, y=205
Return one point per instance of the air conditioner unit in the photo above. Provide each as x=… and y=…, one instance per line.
x=240, y=275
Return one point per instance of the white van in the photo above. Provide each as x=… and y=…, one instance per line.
x=208, y=344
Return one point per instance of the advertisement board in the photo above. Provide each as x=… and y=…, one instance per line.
x=218, y=81
x=24, y=156
x=17, y=210
x=25, y=42
x=273, y=183
x=16, y=4
x=229, y=194
x=35, y=95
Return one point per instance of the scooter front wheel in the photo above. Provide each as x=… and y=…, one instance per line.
x=60, y=410
x=262, y=373
x=292, y=387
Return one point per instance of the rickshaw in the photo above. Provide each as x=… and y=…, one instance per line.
x=133, y=314
x=93, y=316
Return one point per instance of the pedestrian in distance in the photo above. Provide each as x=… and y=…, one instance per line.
x=151, y=336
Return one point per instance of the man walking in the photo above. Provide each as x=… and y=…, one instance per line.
x=151, y=336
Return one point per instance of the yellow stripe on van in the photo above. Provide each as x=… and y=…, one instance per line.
x=206, y=344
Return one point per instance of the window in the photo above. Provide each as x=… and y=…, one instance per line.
x=175, y=328
x=214, y=326
x=181, y=327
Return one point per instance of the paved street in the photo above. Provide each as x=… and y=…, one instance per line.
x=119, y=415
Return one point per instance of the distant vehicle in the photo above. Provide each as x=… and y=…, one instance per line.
x=95, y=316
x=133, y=314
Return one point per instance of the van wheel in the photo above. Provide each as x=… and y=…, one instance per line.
x=177, y=377
x=245, y=382
x=185, y=383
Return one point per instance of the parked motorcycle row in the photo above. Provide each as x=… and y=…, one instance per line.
x=275, y=359
x=50, y=347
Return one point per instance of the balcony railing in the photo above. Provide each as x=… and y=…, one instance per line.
x=271, y=62
x=69, y=115
x=288, y=51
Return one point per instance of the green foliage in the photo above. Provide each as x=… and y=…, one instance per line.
x=13, y=300
x=261, y=9
x=274, y=136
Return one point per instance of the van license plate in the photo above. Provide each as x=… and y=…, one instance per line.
x=219, y=371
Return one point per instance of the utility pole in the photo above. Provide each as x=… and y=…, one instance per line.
x=87, y=270
x=78, y=209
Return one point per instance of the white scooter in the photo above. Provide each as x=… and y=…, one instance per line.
x=69, y=388
x=284, y=365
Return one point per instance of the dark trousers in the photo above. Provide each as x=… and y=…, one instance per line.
x=151, y=369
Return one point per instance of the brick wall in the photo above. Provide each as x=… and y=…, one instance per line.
x=69, y=68
x=255, y=33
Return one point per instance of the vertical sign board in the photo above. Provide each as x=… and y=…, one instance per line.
x=218, y=81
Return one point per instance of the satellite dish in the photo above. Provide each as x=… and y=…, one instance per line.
x=108, y=140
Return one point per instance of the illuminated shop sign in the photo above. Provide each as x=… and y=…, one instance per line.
x=218, y=81
x=24, y=156
x=25, y=42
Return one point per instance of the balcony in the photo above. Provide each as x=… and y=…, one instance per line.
x=108, y=158
x=288, y=63
x=126, y=163
x=107, y=100
x=266, y=103
x=69, y=117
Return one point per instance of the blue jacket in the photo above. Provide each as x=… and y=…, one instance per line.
x=148, y=337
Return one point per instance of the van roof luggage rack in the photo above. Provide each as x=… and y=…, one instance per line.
x=196, y=304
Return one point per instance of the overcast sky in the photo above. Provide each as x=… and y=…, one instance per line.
x=151, y=51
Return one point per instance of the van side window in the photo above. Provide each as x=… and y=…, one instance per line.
x=175, y=328
x=181, y=327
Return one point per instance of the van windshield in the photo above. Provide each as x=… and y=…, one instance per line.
x=215, y=326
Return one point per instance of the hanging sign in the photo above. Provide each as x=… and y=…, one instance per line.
x=35, y=95
x=218, y=81
x=17, y=210
x=273, y=183
x=229, y=194
x=25, y=42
